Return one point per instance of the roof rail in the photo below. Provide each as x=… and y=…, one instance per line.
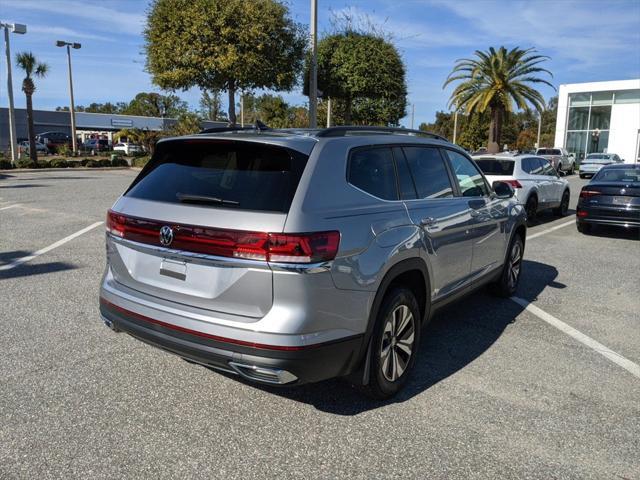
x=258, y=126
x=344, y=130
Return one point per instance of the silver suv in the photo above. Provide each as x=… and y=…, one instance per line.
x=295, y=256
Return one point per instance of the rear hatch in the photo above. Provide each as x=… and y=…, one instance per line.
x=497, y=169
x=192, y=226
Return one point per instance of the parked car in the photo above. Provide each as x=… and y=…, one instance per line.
x=593, y=162
x=95, y=145
x=128, y=148
x=561, y=160
x=41, y=148
x=371, y=230
x=54, y=140
x=536, y=183
x=612, y=197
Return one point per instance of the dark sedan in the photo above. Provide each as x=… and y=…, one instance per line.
x=612, y=197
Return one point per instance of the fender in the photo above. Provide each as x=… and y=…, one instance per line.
x=361, y=374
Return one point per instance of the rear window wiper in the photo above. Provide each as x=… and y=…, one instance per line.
x=191, y=198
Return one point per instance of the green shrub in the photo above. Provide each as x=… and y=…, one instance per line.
x=85, y=161
x=104, y=162
x=58, y=163
x=26, y=163
x=73, y=164
x=119, y=162
x=90, y=163
x=139, y=161
x=138, y=154
x=5, y=164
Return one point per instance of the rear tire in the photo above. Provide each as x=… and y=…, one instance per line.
x=584, y=228
x=562, y=210
x=531, y=207
x=394, y=344
x=507, y=284
x=583, y=176
x=572, y=169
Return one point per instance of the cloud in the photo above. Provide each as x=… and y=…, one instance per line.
x=65, y=32
x=96, y=17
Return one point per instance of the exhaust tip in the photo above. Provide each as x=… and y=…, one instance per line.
x=273, y=376
x=110, y=324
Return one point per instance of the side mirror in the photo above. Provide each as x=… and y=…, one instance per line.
x=503, y=190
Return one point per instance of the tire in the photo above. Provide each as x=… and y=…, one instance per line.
x=584, y=228
x=583, y=176
x=531, y=207
x=572, y=169
x=507, y=284
x=396, y=332
x=562, y=210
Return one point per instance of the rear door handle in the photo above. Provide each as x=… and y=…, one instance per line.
x=428, y=222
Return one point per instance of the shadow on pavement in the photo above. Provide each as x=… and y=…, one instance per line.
x=456, y=336
x=25, y=185
x=547, y=216
x=27, y=269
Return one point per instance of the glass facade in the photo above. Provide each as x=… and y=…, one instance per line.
x=589, y=120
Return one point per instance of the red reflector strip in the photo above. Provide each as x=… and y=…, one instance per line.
x=261, y=346
x=273, y=247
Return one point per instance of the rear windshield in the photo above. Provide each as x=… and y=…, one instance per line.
x=491, y=166
x=548, y=151
x=221, y=174
x=625, y=175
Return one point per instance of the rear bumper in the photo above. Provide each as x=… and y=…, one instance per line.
x=610, y=216
x=304, y=364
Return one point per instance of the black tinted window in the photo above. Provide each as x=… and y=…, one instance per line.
x=429, y=172
x=225, y=174
x=372, y=170
x=405, y=181
x=532, y=165
x=490, y=166
x=469, y=178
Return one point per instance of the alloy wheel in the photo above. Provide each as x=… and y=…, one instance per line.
x=515, y=261
x=397, y=343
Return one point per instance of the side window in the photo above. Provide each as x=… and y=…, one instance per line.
x=534, y=166
x=429, y=172
x=372, y=170
x=527, y=166
x=547, y=168
x=405, y=182
x=469, y=177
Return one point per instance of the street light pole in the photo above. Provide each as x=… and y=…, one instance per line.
x=313, y=77
x=455, y=125
x=69, y=45
x=539, y=128
x=22, y=29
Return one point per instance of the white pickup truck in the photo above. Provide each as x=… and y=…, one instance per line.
x=561, y=160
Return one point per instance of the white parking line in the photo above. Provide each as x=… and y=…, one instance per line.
x=549, y=230
x=616, y=358
x=10, y=206
x=27, y=258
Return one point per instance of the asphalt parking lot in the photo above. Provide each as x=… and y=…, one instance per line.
x=500, y=391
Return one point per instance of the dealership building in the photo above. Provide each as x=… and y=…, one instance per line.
x=600, y=117
x=88, y=125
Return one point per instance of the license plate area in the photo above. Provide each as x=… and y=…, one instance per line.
x=173, y=269
x=618, y=200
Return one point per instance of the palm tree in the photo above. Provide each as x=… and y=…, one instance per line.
x=32, y=68
x=496, y=80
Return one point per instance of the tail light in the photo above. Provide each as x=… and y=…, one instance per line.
x=513, y=183
x=589, y=193
x=582, y=213
x=270, y=247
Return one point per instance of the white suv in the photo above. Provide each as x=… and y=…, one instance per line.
x=534, y=179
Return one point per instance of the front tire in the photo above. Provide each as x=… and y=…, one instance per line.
x=562, y=210
x=531, y=207
x=507, y=284
x=395, y=341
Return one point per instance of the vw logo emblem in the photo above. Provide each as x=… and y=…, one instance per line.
x=166, y=235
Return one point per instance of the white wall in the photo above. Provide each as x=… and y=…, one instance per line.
x=625, y=118
x=623, y=132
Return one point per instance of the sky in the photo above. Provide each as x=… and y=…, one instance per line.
x=586, y=40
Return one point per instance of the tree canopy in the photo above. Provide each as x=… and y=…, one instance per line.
x=498, y=81
x=365, y=73
x=223, y=45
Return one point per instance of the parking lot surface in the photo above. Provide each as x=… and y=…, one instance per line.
x=498, y=392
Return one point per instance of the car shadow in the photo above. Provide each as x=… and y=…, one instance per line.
x=24, y=185
x=547, y=216
x=455, y=337
x=28, y=269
